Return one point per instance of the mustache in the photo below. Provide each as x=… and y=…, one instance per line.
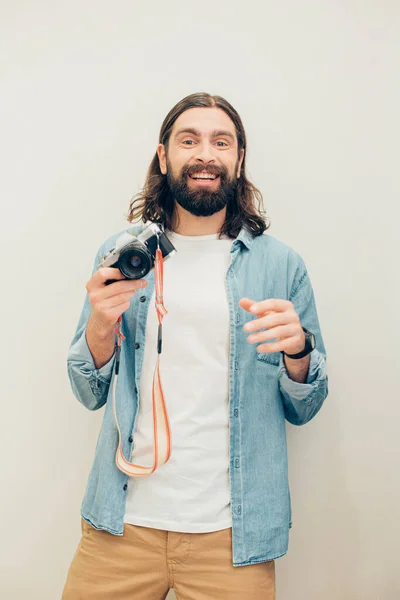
x=211, y=169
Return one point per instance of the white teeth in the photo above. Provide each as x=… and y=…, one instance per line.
x=204, y=176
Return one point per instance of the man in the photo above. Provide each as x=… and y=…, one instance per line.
x=242, y=352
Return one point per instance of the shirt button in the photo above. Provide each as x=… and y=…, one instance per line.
x=142, y=298
x=237, y=463
x=135, y=390
x=136, y=346
x=125, y=487
x=236, y=412
x=130, y=439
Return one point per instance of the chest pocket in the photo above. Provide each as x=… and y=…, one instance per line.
x=271, y=358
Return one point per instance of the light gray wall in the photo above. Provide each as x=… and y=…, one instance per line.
x=84, y=88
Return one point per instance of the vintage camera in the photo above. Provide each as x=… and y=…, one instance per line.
x=134, y=255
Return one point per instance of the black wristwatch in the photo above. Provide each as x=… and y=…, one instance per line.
x=309, y=347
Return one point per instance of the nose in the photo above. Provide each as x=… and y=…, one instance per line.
x=204, y=153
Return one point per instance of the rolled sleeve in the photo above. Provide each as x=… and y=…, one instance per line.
x=81, y=354
x=89, y=385
x=302, y=401
x=301, y=391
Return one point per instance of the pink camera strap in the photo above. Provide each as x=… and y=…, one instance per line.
x=161, y=429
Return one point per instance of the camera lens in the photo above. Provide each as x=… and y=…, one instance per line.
x=135, y=261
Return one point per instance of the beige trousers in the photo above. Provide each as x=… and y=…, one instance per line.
x=145, y=563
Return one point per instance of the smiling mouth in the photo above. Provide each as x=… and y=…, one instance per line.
x=204, y=177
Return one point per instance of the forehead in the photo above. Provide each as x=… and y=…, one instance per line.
x=204, y=120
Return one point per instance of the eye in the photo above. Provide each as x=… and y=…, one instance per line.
x=221, y=144
x=188, y=142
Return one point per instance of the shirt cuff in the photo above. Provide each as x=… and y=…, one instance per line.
x=316, y=373
x=81, y=354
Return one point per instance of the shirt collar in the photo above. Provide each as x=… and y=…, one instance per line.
x=245, y=237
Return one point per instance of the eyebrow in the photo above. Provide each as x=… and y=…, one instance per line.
x=214, y=134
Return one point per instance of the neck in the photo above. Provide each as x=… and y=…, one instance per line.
x=185, y=223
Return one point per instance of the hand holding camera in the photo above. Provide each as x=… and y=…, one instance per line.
x=112, y=287
x=121, y=271
x=110, y=301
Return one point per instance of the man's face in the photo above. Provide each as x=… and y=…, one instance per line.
x=202, y=163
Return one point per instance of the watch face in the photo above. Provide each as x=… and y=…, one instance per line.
x=310, y=339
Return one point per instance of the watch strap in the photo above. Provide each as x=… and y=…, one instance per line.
x=308, y=348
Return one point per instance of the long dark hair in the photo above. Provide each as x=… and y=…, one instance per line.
x=154, y=203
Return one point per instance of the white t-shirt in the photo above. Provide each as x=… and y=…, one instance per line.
x=191, y=492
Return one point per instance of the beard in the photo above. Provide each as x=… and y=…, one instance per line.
x=202, y=202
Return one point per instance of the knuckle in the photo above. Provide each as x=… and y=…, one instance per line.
x=141, y=283
x=93, y=297
x=274, y=319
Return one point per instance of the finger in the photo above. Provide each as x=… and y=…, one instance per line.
x=272, y=304
x=106, y=273
x=275, y=346
x=272, y=319
x=278, y=333
x=246, y=303
x=104, y=297
x=115, y=301
x=97, y=285
x=281, y=318
x=120, y=287
x=101, y=276
x=106, y=306
x=112, y=314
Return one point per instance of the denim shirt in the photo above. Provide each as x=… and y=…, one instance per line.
x=261, y=397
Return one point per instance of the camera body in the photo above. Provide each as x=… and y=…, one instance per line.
x=134, y=255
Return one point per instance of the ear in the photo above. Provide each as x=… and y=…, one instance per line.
x=162, y=158
x=241, y=157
